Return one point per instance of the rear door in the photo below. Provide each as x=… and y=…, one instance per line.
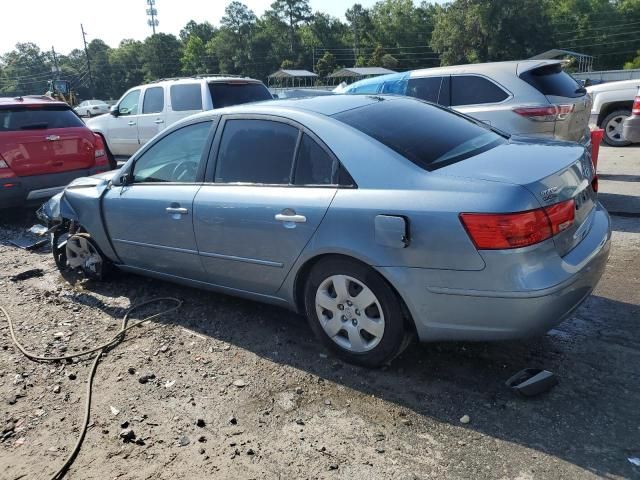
x=150, y=221
x=184, y=99
x=262, y=208
x=151, y=119
x=562, y=90
x=43, y=139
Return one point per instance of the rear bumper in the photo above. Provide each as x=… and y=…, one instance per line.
x=631, y=129
x=447, y=306
x=22, y=191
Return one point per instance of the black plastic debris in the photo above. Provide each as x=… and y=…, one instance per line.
x=28, y=243
x=27, y=274
x=532, y=381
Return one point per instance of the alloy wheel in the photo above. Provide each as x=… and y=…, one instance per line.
x=350, y=313
x=613, y=128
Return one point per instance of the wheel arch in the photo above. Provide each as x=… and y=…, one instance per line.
x=303, y=274
x=610, y=107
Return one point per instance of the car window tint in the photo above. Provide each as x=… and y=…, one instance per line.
x=186, y=97
x=174, y=158
x=228, y=94
x=552, y=80
x=39, y=118
x=407, y=127
x=153, y=100
x=314, y=166
x=129, y=104
x=427, y=88
x=256, y=151
x=473, y=90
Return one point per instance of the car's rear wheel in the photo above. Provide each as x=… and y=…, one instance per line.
x=354, y=312
x=612, y=125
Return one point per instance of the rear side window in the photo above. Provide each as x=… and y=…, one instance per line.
x=429, y=136
x=153, y=100
x=427, y=88
x=473, y=90
x=30, y=118
x=552, y=80
x=228, y=94
x=314, y=166
x=256, y=151
x=186, y=97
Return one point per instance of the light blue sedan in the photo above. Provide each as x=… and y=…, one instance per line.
x=381, y=218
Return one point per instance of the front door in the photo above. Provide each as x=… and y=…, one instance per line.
x=123, y=128
x=150, y=221
x=263, y=207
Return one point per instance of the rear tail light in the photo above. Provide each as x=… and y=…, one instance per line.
x=636, y=106
x=5, y=170
x=499, y=231
x=100, y=152
x=545, y=113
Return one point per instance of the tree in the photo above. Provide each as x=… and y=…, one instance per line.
x=193, y=55
x=26, y=70
x=635, y=63
x=360, y=28
x=205, y=31
x=469, y=31
x=161, y=56
x=293, y=13
x=326, y=65
x=389, y=61
x=238, y=18
x=127, y=69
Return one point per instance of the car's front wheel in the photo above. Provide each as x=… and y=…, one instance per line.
x=354, y=312
x=612, y=125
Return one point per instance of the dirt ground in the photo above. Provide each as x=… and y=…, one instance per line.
x=243, y=390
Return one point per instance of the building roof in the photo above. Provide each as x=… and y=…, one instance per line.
x=360, y=72
x=293, y=74
x=556, y=52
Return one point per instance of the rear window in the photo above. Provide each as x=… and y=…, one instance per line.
x=38, y=118
x=429, y=136
x=474, y=90
x=552, y=80
x=186, y=97
x=229, y=94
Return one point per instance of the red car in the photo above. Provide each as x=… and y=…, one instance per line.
x=44, y=145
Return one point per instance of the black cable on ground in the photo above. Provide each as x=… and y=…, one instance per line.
x=99, y=350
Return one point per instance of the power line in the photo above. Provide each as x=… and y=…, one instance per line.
x=616, y=26
x=86, y=52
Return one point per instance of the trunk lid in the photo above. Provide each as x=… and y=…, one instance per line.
x=43, y=139
x=551, y=171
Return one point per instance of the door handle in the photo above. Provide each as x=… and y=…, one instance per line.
x=177, y=210
x=281, y=217
x=159, y=120
x=131, y=123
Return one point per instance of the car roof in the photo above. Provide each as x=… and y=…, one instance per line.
x=29, y=100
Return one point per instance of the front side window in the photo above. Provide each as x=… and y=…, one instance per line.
x=313, y=165
x=427, y=88
x=129, y=104
x=256, y=151
x=185, y=97
x=474, y=90
x=153, y=100
x=175, y=157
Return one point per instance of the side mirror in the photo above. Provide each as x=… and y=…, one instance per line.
x=113, y=110
x=121, y=180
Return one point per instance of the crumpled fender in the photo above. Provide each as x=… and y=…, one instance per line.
x=81, y=201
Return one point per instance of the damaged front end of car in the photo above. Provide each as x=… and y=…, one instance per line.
x=74, y=221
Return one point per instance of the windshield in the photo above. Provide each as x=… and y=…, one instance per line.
x=229, y=94
x=430, y=136
x=38, y=117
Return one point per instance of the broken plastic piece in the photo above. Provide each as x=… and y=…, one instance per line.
x=532, y=381
x=38, y=230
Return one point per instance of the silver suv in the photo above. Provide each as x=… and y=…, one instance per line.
x=528, y=97
x=145, y=110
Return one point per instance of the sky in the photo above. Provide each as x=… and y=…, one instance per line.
x=47, y=25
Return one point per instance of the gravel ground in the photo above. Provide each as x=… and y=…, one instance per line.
x=227, y=388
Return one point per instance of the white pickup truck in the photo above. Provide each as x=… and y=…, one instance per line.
x=612, y=103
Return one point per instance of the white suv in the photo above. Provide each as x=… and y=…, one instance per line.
x=145, y=110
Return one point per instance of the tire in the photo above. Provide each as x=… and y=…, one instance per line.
x=371, y=337
x=612, y=125
x=89, y=114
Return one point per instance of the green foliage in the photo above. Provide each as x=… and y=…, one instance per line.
x=395, y=34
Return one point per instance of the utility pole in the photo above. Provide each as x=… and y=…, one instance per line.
x=86, y=52
x=55, y=63
x=153, y=13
